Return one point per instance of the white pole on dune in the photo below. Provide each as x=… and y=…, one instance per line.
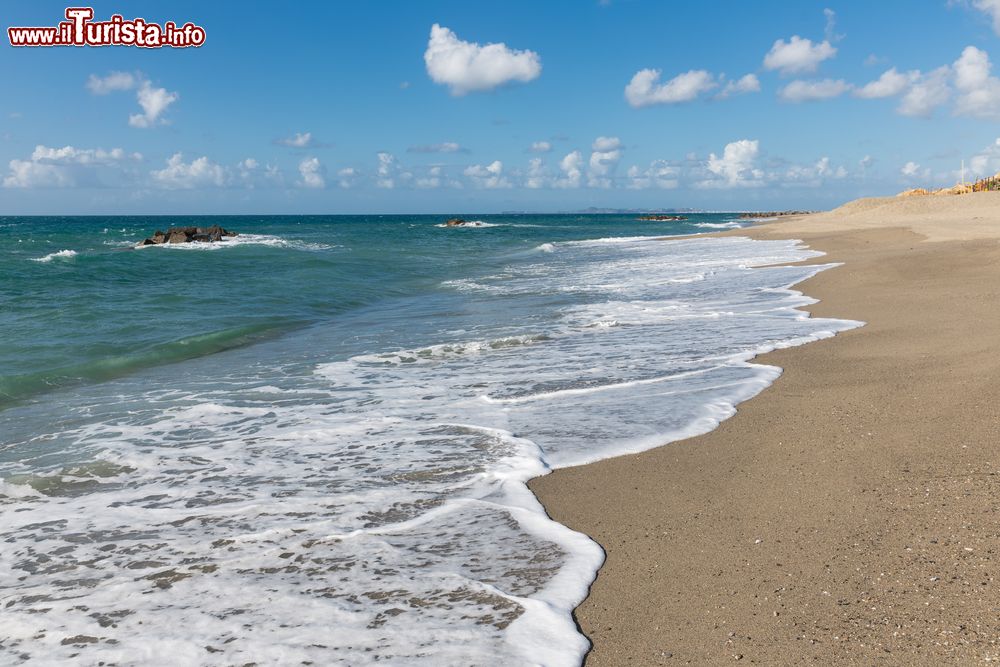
x=963, y=171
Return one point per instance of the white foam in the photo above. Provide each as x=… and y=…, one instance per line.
x=469, y=224
x=267, y=240
x=62, y=254
x=718, y=225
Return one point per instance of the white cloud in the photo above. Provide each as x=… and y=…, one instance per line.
x=28, y=174
x=199, y=173
x=748, y=83
x=829, y=33
x=298, y=140
x=63, y=167
x=446, y=147
x=809, y=91
x=985, y=163
x=489, y=177
x=571, y=167
x=912, y=170
x=431, y=180
x=866, y=162
x=978, y=92
x=798, y=55
x=154, y=101
x=312, y=173
x=926, y=93
x=250, y=173
x=467, y=67
x=347, y=177
x=890, y=84
x=607, y=152
x=389, y=174
x=659, y=174
x=102, y=85
x=812, y=175
x=644, y=89
x=540, y=147
x=992, y=9
x=537, y=175
x=387, y=167
x=71, y=155
x=736, y=167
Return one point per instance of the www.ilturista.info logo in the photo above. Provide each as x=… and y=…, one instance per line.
x=80, y=30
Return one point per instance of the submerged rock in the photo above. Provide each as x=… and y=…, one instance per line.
x=188, y=235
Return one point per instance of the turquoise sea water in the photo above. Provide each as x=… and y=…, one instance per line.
x=310, y=443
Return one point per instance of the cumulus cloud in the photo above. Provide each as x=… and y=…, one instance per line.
x=468, y=67
x=660, y=174
x=992, y=9
x=736, y=167
x=986, y=162
x=71, y=155
x=431, y=180
x=311, y=173
x=387, y=167
x=809, y=175
x=748, y=83
x=347, y=177
x=154, y=101
x=250, y=173
x=537, y=175
x=63, y=167
x=607, y=152
x=645, y=89
x=114, y=81
x=540, y=147
x=298, y=140
x=978, y=91
x=926, y=93
x=912, y=170
x=489, y=177
x=180, y=175
x=389, y=174
x=446, y=147
x=571, y=167
x=890, y=84
x=28, y=174
x=798, y=55
x=808, y=91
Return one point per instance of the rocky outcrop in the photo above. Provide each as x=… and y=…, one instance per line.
x=661, y=218
x=211, y=234
x=770, y=214
x=455, y=222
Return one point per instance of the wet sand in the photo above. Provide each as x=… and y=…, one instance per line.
x=850, y=513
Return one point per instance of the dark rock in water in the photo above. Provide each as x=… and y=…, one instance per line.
x=456, y=222
x=211, y=234
x=752, y=215
x=178, y=236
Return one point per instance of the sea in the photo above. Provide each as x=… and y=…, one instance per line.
x=309, y=444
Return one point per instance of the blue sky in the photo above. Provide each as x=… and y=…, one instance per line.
x=345, y=107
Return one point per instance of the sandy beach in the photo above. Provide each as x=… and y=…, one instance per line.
x=849, y=513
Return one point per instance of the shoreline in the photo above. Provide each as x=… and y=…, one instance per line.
x=845, y=514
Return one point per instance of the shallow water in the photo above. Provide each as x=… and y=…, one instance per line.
x=311, y=445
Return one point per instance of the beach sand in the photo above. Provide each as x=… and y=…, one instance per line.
x=850, y=513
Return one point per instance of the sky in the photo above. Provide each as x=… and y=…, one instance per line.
x=472, y=107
